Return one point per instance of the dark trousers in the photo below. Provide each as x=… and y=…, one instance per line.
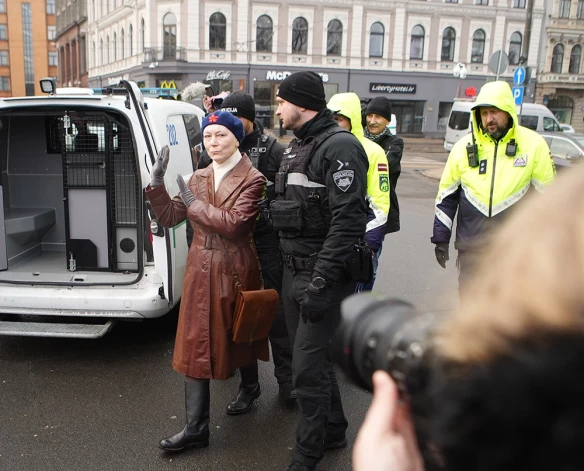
x=271, y=264
x=319, y=398
x=467, y=264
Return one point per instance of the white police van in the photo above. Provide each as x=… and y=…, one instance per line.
x=79, y=246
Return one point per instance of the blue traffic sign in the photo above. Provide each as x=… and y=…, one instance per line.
x=519, y=76
x=518, y=95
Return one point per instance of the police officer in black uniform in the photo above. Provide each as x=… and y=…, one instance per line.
x=265, y=153
x=320, y=213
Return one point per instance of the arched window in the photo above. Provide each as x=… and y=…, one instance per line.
x=515, y=48
x=169, y=44
x=448, y=43
x=101, y=52
x=264, y=33
x=417, y=43
x=334, y=38
x=575, y=57
x=130, y=41
x=217, y=31
x=107, y=50
x=376, y=39
x=557, y=59
x=115, y=47
x=122, y=44
x=478, y=46
x=299, y=35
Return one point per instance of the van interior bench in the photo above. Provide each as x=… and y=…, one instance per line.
x=25, y=222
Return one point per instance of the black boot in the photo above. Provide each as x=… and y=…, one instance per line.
x=249, y=390
x=196, y=431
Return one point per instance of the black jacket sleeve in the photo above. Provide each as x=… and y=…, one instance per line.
x=204, y=161
x=344, y=167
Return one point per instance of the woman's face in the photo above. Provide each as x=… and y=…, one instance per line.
x=220, y=142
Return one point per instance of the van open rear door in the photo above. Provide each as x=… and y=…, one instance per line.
x=162, y=243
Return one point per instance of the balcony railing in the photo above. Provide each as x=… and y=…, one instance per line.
x=178, y=54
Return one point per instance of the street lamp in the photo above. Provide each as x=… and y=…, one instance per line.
x=460, y=72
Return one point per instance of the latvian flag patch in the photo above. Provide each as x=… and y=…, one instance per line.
x=382, y=167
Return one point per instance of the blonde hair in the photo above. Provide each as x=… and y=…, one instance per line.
x=530, y=282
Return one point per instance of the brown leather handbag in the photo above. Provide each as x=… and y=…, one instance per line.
x=254, y=310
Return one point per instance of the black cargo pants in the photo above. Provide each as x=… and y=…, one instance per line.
x=271, y=264
x=321, y=410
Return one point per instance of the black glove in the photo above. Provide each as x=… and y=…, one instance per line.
x=159, y=167
x=185, y=194
x=315, y=304
x=441, y=251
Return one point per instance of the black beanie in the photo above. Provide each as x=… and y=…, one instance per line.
x=240, y=104
x=303, y=89
x=380, y=105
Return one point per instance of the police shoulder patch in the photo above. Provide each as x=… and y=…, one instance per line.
x=344, y=179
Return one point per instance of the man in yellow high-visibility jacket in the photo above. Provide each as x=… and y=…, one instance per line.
x=487, y=173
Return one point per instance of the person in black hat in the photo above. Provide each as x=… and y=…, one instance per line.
x=378, y=117
x=320, y=213
x=266, y=154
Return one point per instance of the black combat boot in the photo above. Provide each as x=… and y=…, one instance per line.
x=196, y=431
x=249, y=390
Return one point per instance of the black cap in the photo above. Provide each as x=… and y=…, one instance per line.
x=240, y=104
x=303, y=89
x=380, y=105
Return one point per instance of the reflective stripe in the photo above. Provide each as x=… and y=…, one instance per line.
x=472, y=199
x=443, y=218
x=380, y=217
x=510, y=201
x=539, y=186
x=299, y=179
x=447, y=192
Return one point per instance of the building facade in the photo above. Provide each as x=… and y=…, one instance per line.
x=407, y=50
x=24, y=58
x=71, y=21
x=561, y=75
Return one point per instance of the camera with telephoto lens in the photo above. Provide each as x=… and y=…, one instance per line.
x=377, y=333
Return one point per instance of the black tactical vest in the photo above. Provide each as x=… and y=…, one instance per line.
x=301, y=208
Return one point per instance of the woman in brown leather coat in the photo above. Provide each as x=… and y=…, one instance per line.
x=221, y=204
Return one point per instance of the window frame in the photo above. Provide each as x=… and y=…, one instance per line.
x=51, y=7
x=300, y=32
x=449, y=57
x=479, y=42
x=169, y=36
x=557, y=59
x=517, y=44
x=417, y=38
x=217, y=32
x=519, y=3
x=334, y=38
x=3, y=32
x=564, y=8
x=572, y=65
x=264, y=34
x=377, y=36
x=55, y=61
x=4, y=58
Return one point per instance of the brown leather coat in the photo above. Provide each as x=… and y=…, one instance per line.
x=203, y=347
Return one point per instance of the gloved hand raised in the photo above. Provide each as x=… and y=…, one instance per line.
x=316, y=301
x=441, y=251
x=185, y=194
x=159, y=167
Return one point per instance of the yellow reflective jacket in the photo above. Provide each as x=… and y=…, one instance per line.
x=482, y=194
x=349, y=105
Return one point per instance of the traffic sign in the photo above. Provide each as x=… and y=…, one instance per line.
x=498, y=63
x=519, y=76
x=518, y=95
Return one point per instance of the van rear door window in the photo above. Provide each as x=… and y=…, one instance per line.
x=459, y=120
x=549, y=124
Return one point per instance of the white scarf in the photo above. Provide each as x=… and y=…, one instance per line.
x=221, y=170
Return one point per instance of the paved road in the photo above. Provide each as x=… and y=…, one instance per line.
x=103, y=405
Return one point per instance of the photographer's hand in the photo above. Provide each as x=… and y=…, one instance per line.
x=441, y=252
x=387, y=439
